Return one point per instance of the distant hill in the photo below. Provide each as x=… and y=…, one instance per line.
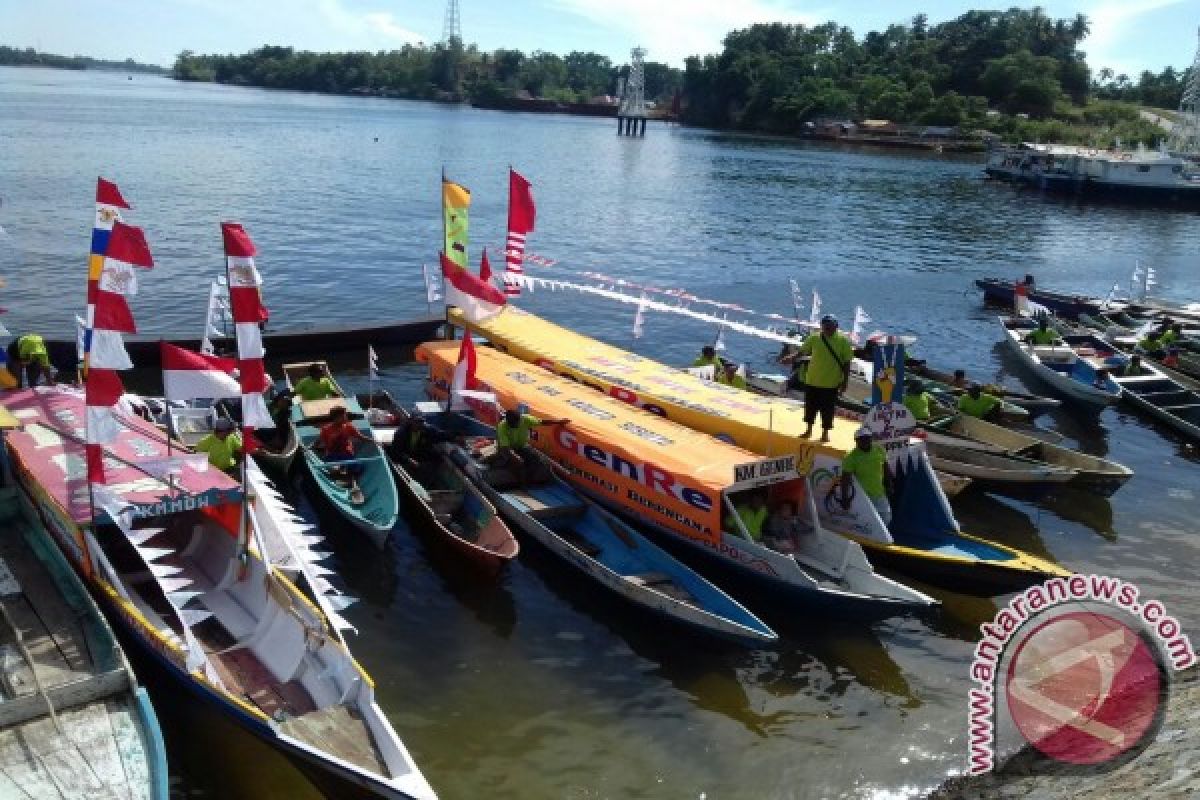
x=28, y=57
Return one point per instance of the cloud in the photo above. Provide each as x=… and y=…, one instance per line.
x=367, y=29
x=1111, y=23
x=675, y=29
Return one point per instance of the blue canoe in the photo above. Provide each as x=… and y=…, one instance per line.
x=379, y=508
x=599, y=544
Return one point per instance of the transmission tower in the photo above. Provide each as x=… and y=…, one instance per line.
x=631, y=109
x=452, y=25
x=1185, y=134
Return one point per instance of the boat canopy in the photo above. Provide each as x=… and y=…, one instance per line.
x=757, y=423
x=50, y=446
x=665, y=471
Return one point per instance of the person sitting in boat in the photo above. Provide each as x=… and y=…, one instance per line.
x=828, y=373
x=1151, y=345
x=336, y=443
x=315, y=386
x=978, y=403
x=752, y=511
x=1172, y=334
x=783, y=526
x=28, y=354
x=708, y=358
x=512, y=441
x=414, y=442
x=920, y=403
x=959, y=381
x=1043, y=334
x=729, y=376
x=868, y=463
x=223, y=445
x=1133, y=367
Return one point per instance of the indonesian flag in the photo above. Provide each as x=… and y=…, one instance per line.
x=522, y=214
x=477, y=299
x=248, y=312
x=193, y=376
x=485, y=268
x=464, y=374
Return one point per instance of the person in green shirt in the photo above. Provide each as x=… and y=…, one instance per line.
x=708, y=358
x=1133, y=367
x=512, y=442
x=729, y=376
x=315, y=386
x=977, y=403
x=28, y=354
x=753, y=514
x=1044, y=334
x=223, y=445
x=919, y=402
x=1171, y=335
x=1150, y=344
x=868, y=464
x=828, y=371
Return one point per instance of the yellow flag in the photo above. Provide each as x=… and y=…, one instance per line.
x=455, y=201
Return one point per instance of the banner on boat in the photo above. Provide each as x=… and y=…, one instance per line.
x=662, y=472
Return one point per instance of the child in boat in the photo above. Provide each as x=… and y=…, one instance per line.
x=784, y=526
x=336, y=443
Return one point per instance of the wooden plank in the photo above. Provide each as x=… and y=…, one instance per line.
x=73, y=775
x=130, y=744
x=52, y=669
x=34, y=779
x=63, y=697
x=89, y=730
x=340, y=732
x=10, y=789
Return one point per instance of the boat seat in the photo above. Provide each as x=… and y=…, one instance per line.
x=650, y=578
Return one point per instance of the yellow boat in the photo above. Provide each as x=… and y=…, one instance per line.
x=923, y=539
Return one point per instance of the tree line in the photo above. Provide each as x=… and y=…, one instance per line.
x=29, y=57
x=441, y=71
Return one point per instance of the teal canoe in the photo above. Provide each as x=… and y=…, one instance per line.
x=376, y=511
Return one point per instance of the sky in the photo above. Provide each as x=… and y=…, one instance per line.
x=1127, y=35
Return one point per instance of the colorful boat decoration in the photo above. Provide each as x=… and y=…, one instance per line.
x=174, y=565
x=73, y=720
x=379, y=508
x=923, y=527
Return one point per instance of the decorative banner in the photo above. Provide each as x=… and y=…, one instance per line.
x=719, y=342
x=477, y=299
x=109, y=203
x=433, y=285
x=456, y=200
x=522, y=214
x=797, y=297
x=814, y=316
x=888, y=418
x=218, y=309
x=860, y=323
x=372, y=363
x=245, y=300
x=639, y=320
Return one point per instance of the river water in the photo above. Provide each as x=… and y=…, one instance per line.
x=540, y=688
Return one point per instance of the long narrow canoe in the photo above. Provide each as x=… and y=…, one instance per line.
x=453, y=508
x=1073, y=369
x=379, y=510
x=600, y=546
x=73, y=721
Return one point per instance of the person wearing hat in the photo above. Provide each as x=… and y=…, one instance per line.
x=223, y=445
x=977, y=403
x=729, y=376
x=868, y=464
x=828, y=371
x=28, y=353
x=708, y=358
x=919, y=402
x=512, y=441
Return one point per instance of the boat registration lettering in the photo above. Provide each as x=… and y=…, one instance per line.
x=757, y=473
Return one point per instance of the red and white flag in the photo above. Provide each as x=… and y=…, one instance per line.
x=464, y=374
x=485, y=268
x=248, y=312
x=195, y=376
x=125, y=249
x=522, y=214
x=477, y=299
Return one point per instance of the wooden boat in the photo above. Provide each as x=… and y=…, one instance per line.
x=1000, y=292
x=278, y=449
x=1169, y=401
x=453, y=508
x=1092, y=472
x=174, y=567
x=189, y=424
x=376, y=515
x=943, y=382
x=952, y=485
x=1071, y=369
x=145, y=350
x=922, y=540
x=993, y=470
x=74, y=722
x=598, y=544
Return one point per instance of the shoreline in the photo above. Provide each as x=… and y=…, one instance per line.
x=1168, y=768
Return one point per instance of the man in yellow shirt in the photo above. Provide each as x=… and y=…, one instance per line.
x=28, y=353
x=223, y=445
x=868, y=463
x=708, y=358
x=1044, y=334
x=753, y=515
x=976, y=403
x=729, y=376
x=919, y=402
x=512, y=442
x=828, y=371
x=315, y=386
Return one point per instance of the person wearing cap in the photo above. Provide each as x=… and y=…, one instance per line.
x=336, y=442
x=729, y=376
x=708, y=358
x=28, y=353
x=223, y=445
x=1043, y=334
x=919, y=402
x=316, y=385
x=512, y=440
x=868, y=464
x=830, y=353
x=977, y=403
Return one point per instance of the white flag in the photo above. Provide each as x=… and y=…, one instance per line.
x=216, y=311
x=372, y=363
x=797, y=297
x=814, y=316
x=80, y=331
x=639, y=320
x=719, y=342
x=433, y=285
x=861, y=318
